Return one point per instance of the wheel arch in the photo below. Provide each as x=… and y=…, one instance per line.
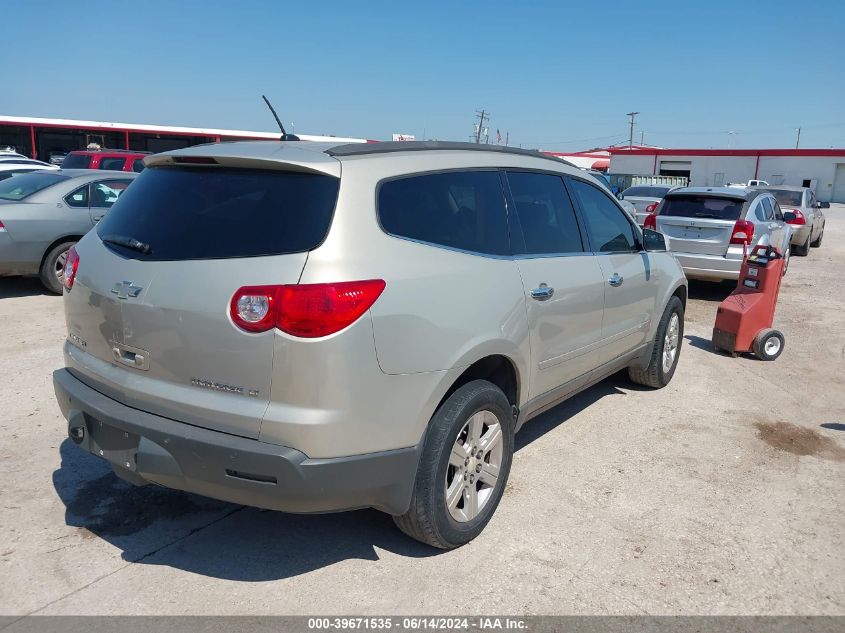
x=498, y=369
x=55, y=243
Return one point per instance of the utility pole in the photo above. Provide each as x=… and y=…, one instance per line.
x=631, y=134
x=479, y=127
x=642, y=137
x=730, y=134
x=797, y=138
x=507, y=138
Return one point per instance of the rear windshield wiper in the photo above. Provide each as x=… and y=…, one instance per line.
x=128, y=242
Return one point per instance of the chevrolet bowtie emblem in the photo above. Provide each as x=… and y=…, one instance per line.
x=126, y=289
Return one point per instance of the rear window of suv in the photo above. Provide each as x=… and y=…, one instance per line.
x=705, y=207
x=76, y=161
x=212, y=213
x=646, y=192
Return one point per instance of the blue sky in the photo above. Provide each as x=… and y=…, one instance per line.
x=555, y=74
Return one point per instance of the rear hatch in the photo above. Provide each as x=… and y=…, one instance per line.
x=148, y=314
x=699, y=224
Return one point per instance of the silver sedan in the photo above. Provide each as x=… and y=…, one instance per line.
x=43, y=214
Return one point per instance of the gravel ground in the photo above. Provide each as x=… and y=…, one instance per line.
x=720, y=494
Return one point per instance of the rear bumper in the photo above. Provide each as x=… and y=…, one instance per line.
x=711, y=267
x=146, y=448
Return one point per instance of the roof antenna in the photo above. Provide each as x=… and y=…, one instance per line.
x=285, y=135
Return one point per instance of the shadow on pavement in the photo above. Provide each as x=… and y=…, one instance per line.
x=710, y=290
x=152, y=525
x=12, y=287
x=833, y=426
x=702, y=343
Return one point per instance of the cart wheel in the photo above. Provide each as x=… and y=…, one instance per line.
x=768, y=344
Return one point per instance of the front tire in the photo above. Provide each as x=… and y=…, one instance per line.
x=53, y=266
x=464, y=467
x=666, y=350
x=818, y=241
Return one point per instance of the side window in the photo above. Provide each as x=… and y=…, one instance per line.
x=112, y=163
x=105, y=193
x=768, y=211
x=78, y=197
x=607, y=225
x=760, y=212
x=776, y=209
x=811, y=199
x=460, y=209
x=545, y=214
x=138, y=165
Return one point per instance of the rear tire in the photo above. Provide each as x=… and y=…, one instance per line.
x=768, y=344
x=802, y=251
x=666, y=350
x=53, y=266
x=444, y=511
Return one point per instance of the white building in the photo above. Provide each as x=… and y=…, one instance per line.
x=823, y=170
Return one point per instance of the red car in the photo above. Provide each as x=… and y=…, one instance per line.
x=113, y=159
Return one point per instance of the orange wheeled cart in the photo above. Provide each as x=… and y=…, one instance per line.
x=744, y=318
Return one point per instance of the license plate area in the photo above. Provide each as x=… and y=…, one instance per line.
x=112, y=444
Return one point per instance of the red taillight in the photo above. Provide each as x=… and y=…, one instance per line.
x=798, y=219
x=304, y=310
x=743, y=232
x=71, y=264
x=651, y=208
x=650, y=222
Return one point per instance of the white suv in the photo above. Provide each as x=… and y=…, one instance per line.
x=310, y=328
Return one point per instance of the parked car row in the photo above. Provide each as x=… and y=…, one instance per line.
x=709, y=228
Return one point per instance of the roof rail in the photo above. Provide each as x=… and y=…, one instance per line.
x=361, y=149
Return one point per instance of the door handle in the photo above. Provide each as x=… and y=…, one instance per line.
x=542, y=293
x=616, y=280
x=97, y=218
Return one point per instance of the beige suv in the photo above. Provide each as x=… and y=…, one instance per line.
x=311, y=328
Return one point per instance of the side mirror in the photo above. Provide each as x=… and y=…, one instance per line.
x=653, y=241
x=788, y=216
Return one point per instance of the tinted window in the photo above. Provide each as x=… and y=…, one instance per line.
x=545, y=214
x=24, y=185
x=767, y=209
x=104, y=194
x=461, y=209
x=138, y=165
x=112, y=163
x=76, y=161
x=78, y=197
x=211, y=214
x=693, y=206
x=607, y=225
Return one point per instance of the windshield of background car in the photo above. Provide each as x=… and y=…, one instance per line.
x=24, y=185
x=211, y=213
x=787, y=198
x=76, y=161
x=705, y=207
